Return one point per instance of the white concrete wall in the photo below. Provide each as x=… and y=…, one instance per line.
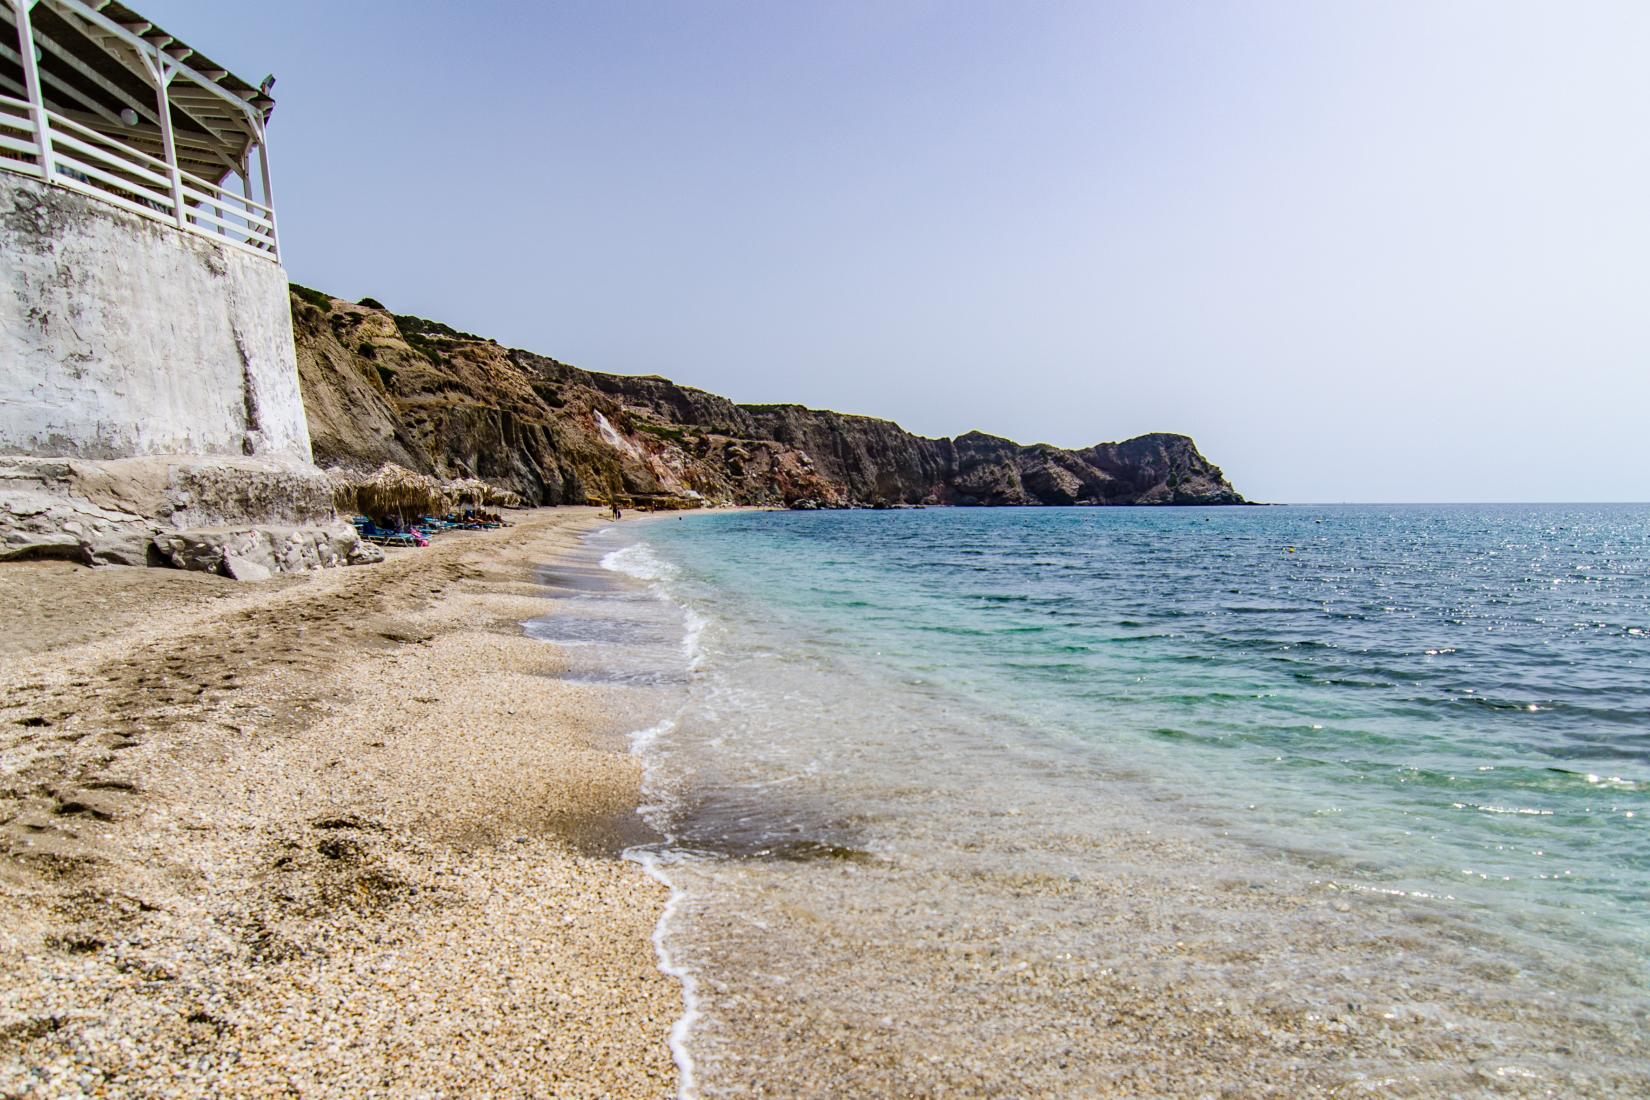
x=123, y=336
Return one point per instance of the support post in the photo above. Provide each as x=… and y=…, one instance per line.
x=31, y=83
x=161, y=72
x=245, y=174
x=269, y=192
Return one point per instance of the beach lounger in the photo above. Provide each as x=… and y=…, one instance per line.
x=384, y=536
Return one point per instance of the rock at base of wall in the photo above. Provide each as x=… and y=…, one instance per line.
x=245, y=518
x=258, y=553
x=42, y=517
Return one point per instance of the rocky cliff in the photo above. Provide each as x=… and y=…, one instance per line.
x=380, y=387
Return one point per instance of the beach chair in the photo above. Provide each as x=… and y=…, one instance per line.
x=384, y=536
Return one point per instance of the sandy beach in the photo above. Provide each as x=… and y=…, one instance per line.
x=342, y=833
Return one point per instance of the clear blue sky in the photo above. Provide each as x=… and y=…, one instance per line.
x=1361, y=251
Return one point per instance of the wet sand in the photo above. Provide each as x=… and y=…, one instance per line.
x=349, y=833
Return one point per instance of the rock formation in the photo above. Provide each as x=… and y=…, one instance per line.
x=241, y=517
x=380, y=387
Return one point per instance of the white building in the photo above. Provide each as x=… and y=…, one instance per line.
x=145, y=333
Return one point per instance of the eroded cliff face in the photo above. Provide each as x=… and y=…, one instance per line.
x=384, y=388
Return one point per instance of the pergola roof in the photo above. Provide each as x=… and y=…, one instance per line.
x=92, y=70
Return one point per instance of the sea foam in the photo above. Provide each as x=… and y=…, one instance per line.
x=639, y=562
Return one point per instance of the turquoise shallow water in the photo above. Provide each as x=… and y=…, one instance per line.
x=1444, y=705
x=1457, y=697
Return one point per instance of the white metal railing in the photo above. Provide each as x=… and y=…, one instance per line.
x=108, y=169
x=18, y=148
x=75, y=154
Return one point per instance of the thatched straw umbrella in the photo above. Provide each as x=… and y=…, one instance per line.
x=469, y=490
x=397, y=490
x=501, y=498
x=472, y=489
x=344, y=483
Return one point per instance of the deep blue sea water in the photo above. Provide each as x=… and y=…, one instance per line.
x=1441, y=713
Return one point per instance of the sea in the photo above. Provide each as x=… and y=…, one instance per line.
x=1255, y=801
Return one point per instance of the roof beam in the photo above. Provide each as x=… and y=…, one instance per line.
x=62, y=86
x=138, y=62
x=136, y=55
x=145, y=109
x=97, y=19
x=206, y=113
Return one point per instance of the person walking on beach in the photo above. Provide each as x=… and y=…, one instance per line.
x=616, y=512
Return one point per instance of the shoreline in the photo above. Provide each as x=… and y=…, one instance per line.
x=1037, y=893
x=345, y=832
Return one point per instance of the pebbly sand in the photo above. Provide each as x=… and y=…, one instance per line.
x=334, y=834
